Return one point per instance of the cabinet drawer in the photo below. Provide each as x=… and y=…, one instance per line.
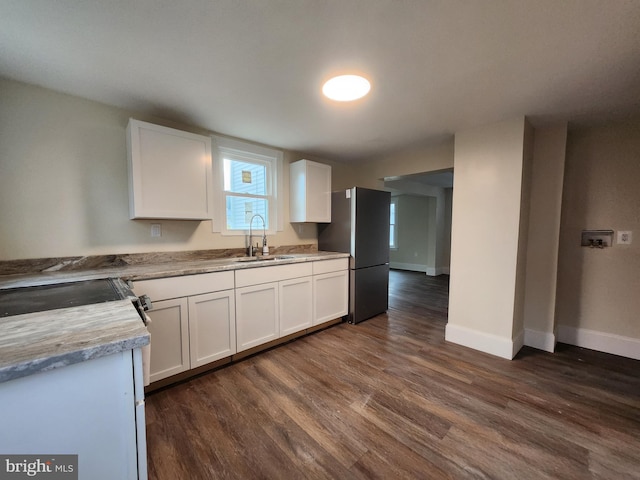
x=255, y=276
x=326, y=266
x=187, y=285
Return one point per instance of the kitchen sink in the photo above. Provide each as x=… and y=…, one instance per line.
x=263, y=258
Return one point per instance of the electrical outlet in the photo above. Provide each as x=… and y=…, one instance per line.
x=624, y=237
x=156, y=229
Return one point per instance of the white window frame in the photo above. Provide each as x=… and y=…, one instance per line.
x=393, y=245
x=270, y=157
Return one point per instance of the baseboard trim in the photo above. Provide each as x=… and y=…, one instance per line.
x=414, y=267
x=434, y=272
x=517, y=344
x=485, y=342
x=600, y=341
x=417, y=267
x=541, y=340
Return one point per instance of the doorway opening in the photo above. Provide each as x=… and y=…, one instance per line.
x=421, y=222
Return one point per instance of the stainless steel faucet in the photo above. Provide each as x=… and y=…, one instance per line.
x=264, y=233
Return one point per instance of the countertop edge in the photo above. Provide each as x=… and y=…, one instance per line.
x=43, y=341
x=158, y=270
x=45, y=364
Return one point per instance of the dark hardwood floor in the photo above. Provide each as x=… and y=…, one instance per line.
x=388, y=398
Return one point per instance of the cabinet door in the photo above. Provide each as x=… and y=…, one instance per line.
x=212, y=327
x=296, y=305
x=331, y=296
x=169, y=331
x=169, y=173
x=256, y=315
x=309, y=191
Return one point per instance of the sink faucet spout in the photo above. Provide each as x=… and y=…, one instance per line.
x=264, y=234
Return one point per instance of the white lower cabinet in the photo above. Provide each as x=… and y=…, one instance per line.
x=212, y=327
x=330, y=290
x=169, y=329
x=256, y=315
x=272, y=302
x=198, y=319
x=196, y=328
x=296, y=305
x=90, y=409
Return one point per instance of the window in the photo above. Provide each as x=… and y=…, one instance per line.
x=247, y=181
x=393, y=231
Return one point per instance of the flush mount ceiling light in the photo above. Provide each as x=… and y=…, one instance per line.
x=346, y=88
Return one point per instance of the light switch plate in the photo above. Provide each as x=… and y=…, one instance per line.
x=624, y=237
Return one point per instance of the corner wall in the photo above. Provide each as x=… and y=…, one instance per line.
x=544, y=236
x=485, y=238
x=598, y=295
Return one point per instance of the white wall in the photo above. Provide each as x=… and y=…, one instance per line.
x=523, y=237
x=446, y=253
x=598, y=295
x=415, y=226
x=544, y=236
x=439, y=229
x=371, y=174
x=485, y=237
x=63, y=183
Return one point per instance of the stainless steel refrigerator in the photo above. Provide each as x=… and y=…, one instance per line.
x=360, y=226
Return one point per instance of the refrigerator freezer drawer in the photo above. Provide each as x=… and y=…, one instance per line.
x=369, y=288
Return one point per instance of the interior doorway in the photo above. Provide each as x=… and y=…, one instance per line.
x=422, y=205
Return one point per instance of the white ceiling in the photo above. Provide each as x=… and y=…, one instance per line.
x=254, y=68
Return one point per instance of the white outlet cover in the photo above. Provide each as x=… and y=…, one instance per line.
x=156, y=230
x=624, y=237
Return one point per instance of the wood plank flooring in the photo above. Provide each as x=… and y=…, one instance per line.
x=388, y=398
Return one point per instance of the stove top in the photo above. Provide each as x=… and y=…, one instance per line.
x=17, y=301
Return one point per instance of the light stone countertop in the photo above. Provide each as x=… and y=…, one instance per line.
x=161, y=270
x=42, y=341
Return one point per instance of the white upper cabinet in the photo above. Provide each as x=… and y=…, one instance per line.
x=169, y=173
x=309, y=192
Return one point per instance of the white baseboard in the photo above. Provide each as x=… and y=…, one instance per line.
x=414, y=267
x=517, y=344
x=541, y=340
x=485, y=342
x=434, y=272
x=600, y=341
x=417, y=267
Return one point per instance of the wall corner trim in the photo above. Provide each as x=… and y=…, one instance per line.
x=600, y=341
x=545, y=341
x=484, y=342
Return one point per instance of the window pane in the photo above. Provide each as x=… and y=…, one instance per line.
x=245, y=177
x=393, y=213
x=391, y=235
x=241, y=209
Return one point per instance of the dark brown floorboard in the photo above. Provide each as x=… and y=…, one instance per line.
x=389, y=398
